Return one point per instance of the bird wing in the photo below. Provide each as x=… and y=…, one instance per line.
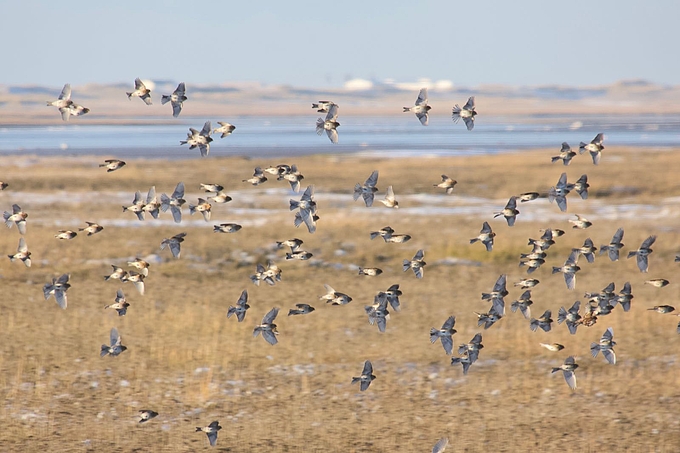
x=332, y=135
x=65, y=92
x=469, y=123
x=269, y=317
x=470, y=104
x=332, y=113
x=423, y=117
x=372, y=180
x=422, y=97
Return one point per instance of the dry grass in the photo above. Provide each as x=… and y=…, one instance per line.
x=192, y=365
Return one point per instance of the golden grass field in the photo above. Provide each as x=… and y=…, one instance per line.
x=191, y=364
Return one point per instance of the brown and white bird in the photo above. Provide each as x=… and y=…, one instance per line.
x=176, y=99
x=141, y=91
x=224, y=129
x=200, y=139
x=174, y=244
x=643, y=253
x=468, y=113
x=568, y=368
x=421, y=108
x=22, y=253
x=330, y=124
x=112, y=165
x=91, y=228
x=141, y=265
x=267, y=328
x=581, y=222
x=368, y=190
x=65, y=234
x=595, y=148
x=120, y=304
x=486, y=236
x=16, y=217
x=63, y=103
x=366, y=377
x=566, y=154
x=203, y=207
x=115, y=348
x=211, y=431
x=390, y=201
x=258, y=177
x=510, y=211
x=447, y=184
x=416, y=263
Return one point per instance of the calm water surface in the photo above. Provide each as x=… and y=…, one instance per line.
x=290, y=136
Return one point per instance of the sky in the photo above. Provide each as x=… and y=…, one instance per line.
x=322, y=44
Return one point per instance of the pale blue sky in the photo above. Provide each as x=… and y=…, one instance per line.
x=323, y=43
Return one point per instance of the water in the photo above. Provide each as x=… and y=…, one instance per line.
x=390, y=136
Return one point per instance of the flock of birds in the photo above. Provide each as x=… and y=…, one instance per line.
x=597, y=305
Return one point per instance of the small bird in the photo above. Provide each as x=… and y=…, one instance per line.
x=524, y=304
x=595, y=148
x=472, y=348
x=211, y=188
x=307, y=207
x=658, y=282
x=77, y=110
x=552, y=347
x=300, y=255
x=587, y=250
x=643, y=253
x=174, y=202
x=65, y=234
x=203, y=207
x=141, y=91
x=113, y=165
x=465, y=361
x=334, y=297
x=625, y=297
x=527, y=283
x=116, y=348
x=58, y=289
x=176, y=99
x=606, y=345
x=581, y=222
x=370, y=271
x=416, y=263
x=440, y=446
x=488, y=319
x=211, y=431
x=323, y=106
x=140, y=265
x=509, y=212
x=226, y=228
x=294, y=244
x=544, y=322
x=118, y=273
x=581, y=187
x=152, y=205
x=17, y=217
x=293, y=176
x=447, y=184
x=567, y=369
x=241, y=307
x=528, y=196
x=389, y=199
x=270, y=275
x=330, y=124
x=566, y=154
x=468, y=113
x=137, y=206
x=571, y=317
x=174, y=244
x=421, y=108
x=224, y=129
x=302, y=309
x=569, y=269
x=532, y=264
x=545, y=242
x=614, y=246
x=368, y=190
x=445, y=334
x=64, y=102
x=120, y=305
x=22, y=253
x=385, y=232
x=258, y=177
x=378, y=312
x=366, y=376
x=268, y=328
x=663, y=309
x=559, y=192
x=3, y=185
x=397, y=238
x=200, y=139
x=146, y=414
x=392, y=294
x=91, y=228
x=486, y=236
x=499, y=289
x=136, y=279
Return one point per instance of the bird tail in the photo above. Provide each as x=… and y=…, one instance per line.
x=192, y=209
x=561, y=315
x=165, y=99
x=315, y=106
x=555, y=159
x=357, y=191
x=355, y=380
x=374, y=234
x=129, y=95
x=555, y=270
x=407, y=109
x=594, y=349
x=294, y=205
x=104, y=351
x=407, y=265
x=433, y=335
x=582, y=147
x=632, y=254
x=472, y=241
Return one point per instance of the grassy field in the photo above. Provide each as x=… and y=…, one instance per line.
x=191, y=364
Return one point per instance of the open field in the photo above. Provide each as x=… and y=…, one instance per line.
x=191, y=364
